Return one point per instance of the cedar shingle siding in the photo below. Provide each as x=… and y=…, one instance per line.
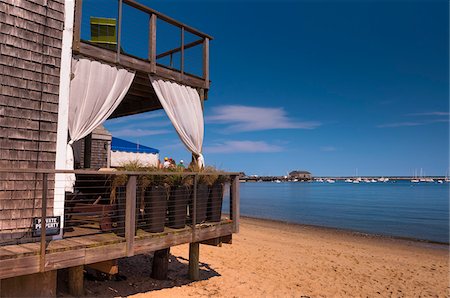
x=30, y=51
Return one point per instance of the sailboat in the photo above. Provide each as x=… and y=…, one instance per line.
x=421, y=179
x=415, y=180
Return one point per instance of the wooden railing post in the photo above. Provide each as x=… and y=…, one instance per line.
x=43, y=221
x=194, y=203
x=182, y=52
x=234, y=203
x=152, y=43
x=130, y=215
x=206, y=62
x=119, y=31
x=77, y=25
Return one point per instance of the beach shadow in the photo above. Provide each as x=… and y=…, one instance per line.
x=134, y=277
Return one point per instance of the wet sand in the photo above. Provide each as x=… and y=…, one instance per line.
x=273, y=259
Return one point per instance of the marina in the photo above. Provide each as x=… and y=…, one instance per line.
x=399, y=208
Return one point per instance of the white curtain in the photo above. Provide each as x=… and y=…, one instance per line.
x=95, y=92
x=182, y=105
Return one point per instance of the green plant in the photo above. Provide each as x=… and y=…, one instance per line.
x=144, y=181
x=177, y=180
x=213, y=175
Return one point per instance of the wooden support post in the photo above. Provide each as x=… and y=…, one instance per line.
x=77, y=25
x=152, y=43
x=33, y=285
x=119, y=31
x=43, y=221
x=130, y=215
x=76, y=276
x=194, y=258
x=160, y=265
x=87, y=151
x=206, y=62
x=234, y=203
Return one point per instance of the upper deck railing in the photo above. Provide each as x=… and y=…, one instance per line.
x=153, y=62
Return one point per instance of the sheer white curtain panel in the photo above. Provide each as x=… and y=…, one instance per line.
x=96, y=90
x=184, y=109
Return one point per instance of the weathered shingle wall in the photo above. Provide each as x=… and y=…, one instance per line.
x=30, y=51
x=99, y=154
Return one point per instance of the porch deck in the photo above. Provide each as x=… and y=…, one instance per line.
x=22, y=259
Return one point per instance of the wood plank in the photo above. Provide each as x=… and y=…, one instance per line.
x=139, y=65
x=130, y=215
x=160, y=265
x=211, y=232
x=194, y=258
x=64, y=259
x=146, y=245
x=17, y=267
x=152, y=43
x=159, y=241
x=175, y=50
x=119, y=31
x=206, y=62
x=75, y=282
x=77, y=24
x=105, y=253
x=6, y=254
x=182, y=52
x=34, y=247
x=166, y=18
x=234, y=203
x=30, y=285
x=19, y=250
x=109, y=267
x=63, y=245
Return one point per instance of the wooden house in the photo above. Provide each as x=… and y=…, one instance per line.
x=300, y=175
x=41, y=54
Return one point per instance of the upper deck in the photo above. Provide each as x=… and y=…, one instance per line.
x=154, y=35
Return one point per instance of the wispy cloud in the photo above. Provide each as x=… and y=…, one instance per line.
x=328, y=148
x=418, y=123
x=138, y=132
x=249, y=118
x=435, y=113
x=242, y=147
x=400, y=124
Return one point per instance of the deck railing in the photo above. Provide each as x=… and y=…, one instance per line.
x=153, y=58
x=127, y=204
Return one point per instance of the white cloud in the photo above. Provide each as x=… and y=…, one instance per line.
x=247, y=118
x=138, y=132
x=242, y=147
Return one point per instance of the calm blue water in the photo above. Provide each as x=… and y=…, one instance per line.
x=396, y=209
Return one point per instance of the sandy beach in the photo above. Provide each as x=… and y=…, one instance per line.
x=273, y=259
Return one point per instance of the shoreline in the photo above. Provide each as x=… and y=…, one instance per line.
x=276, y=259
x=350, y=231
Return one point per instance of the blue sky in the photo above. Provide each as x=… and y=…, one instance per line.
x=324, y=86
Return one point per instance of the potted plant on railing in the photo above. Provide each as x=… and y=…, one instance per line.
x=202, y=193
x=214, y=209
x=151, y=203
x=178, y=198
x=156, y=195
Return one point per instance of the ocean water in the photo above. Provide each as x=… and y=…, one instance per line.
x=401, y=208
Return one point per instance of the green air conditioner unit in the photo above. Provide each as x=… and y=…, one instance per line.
x=103, y=32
